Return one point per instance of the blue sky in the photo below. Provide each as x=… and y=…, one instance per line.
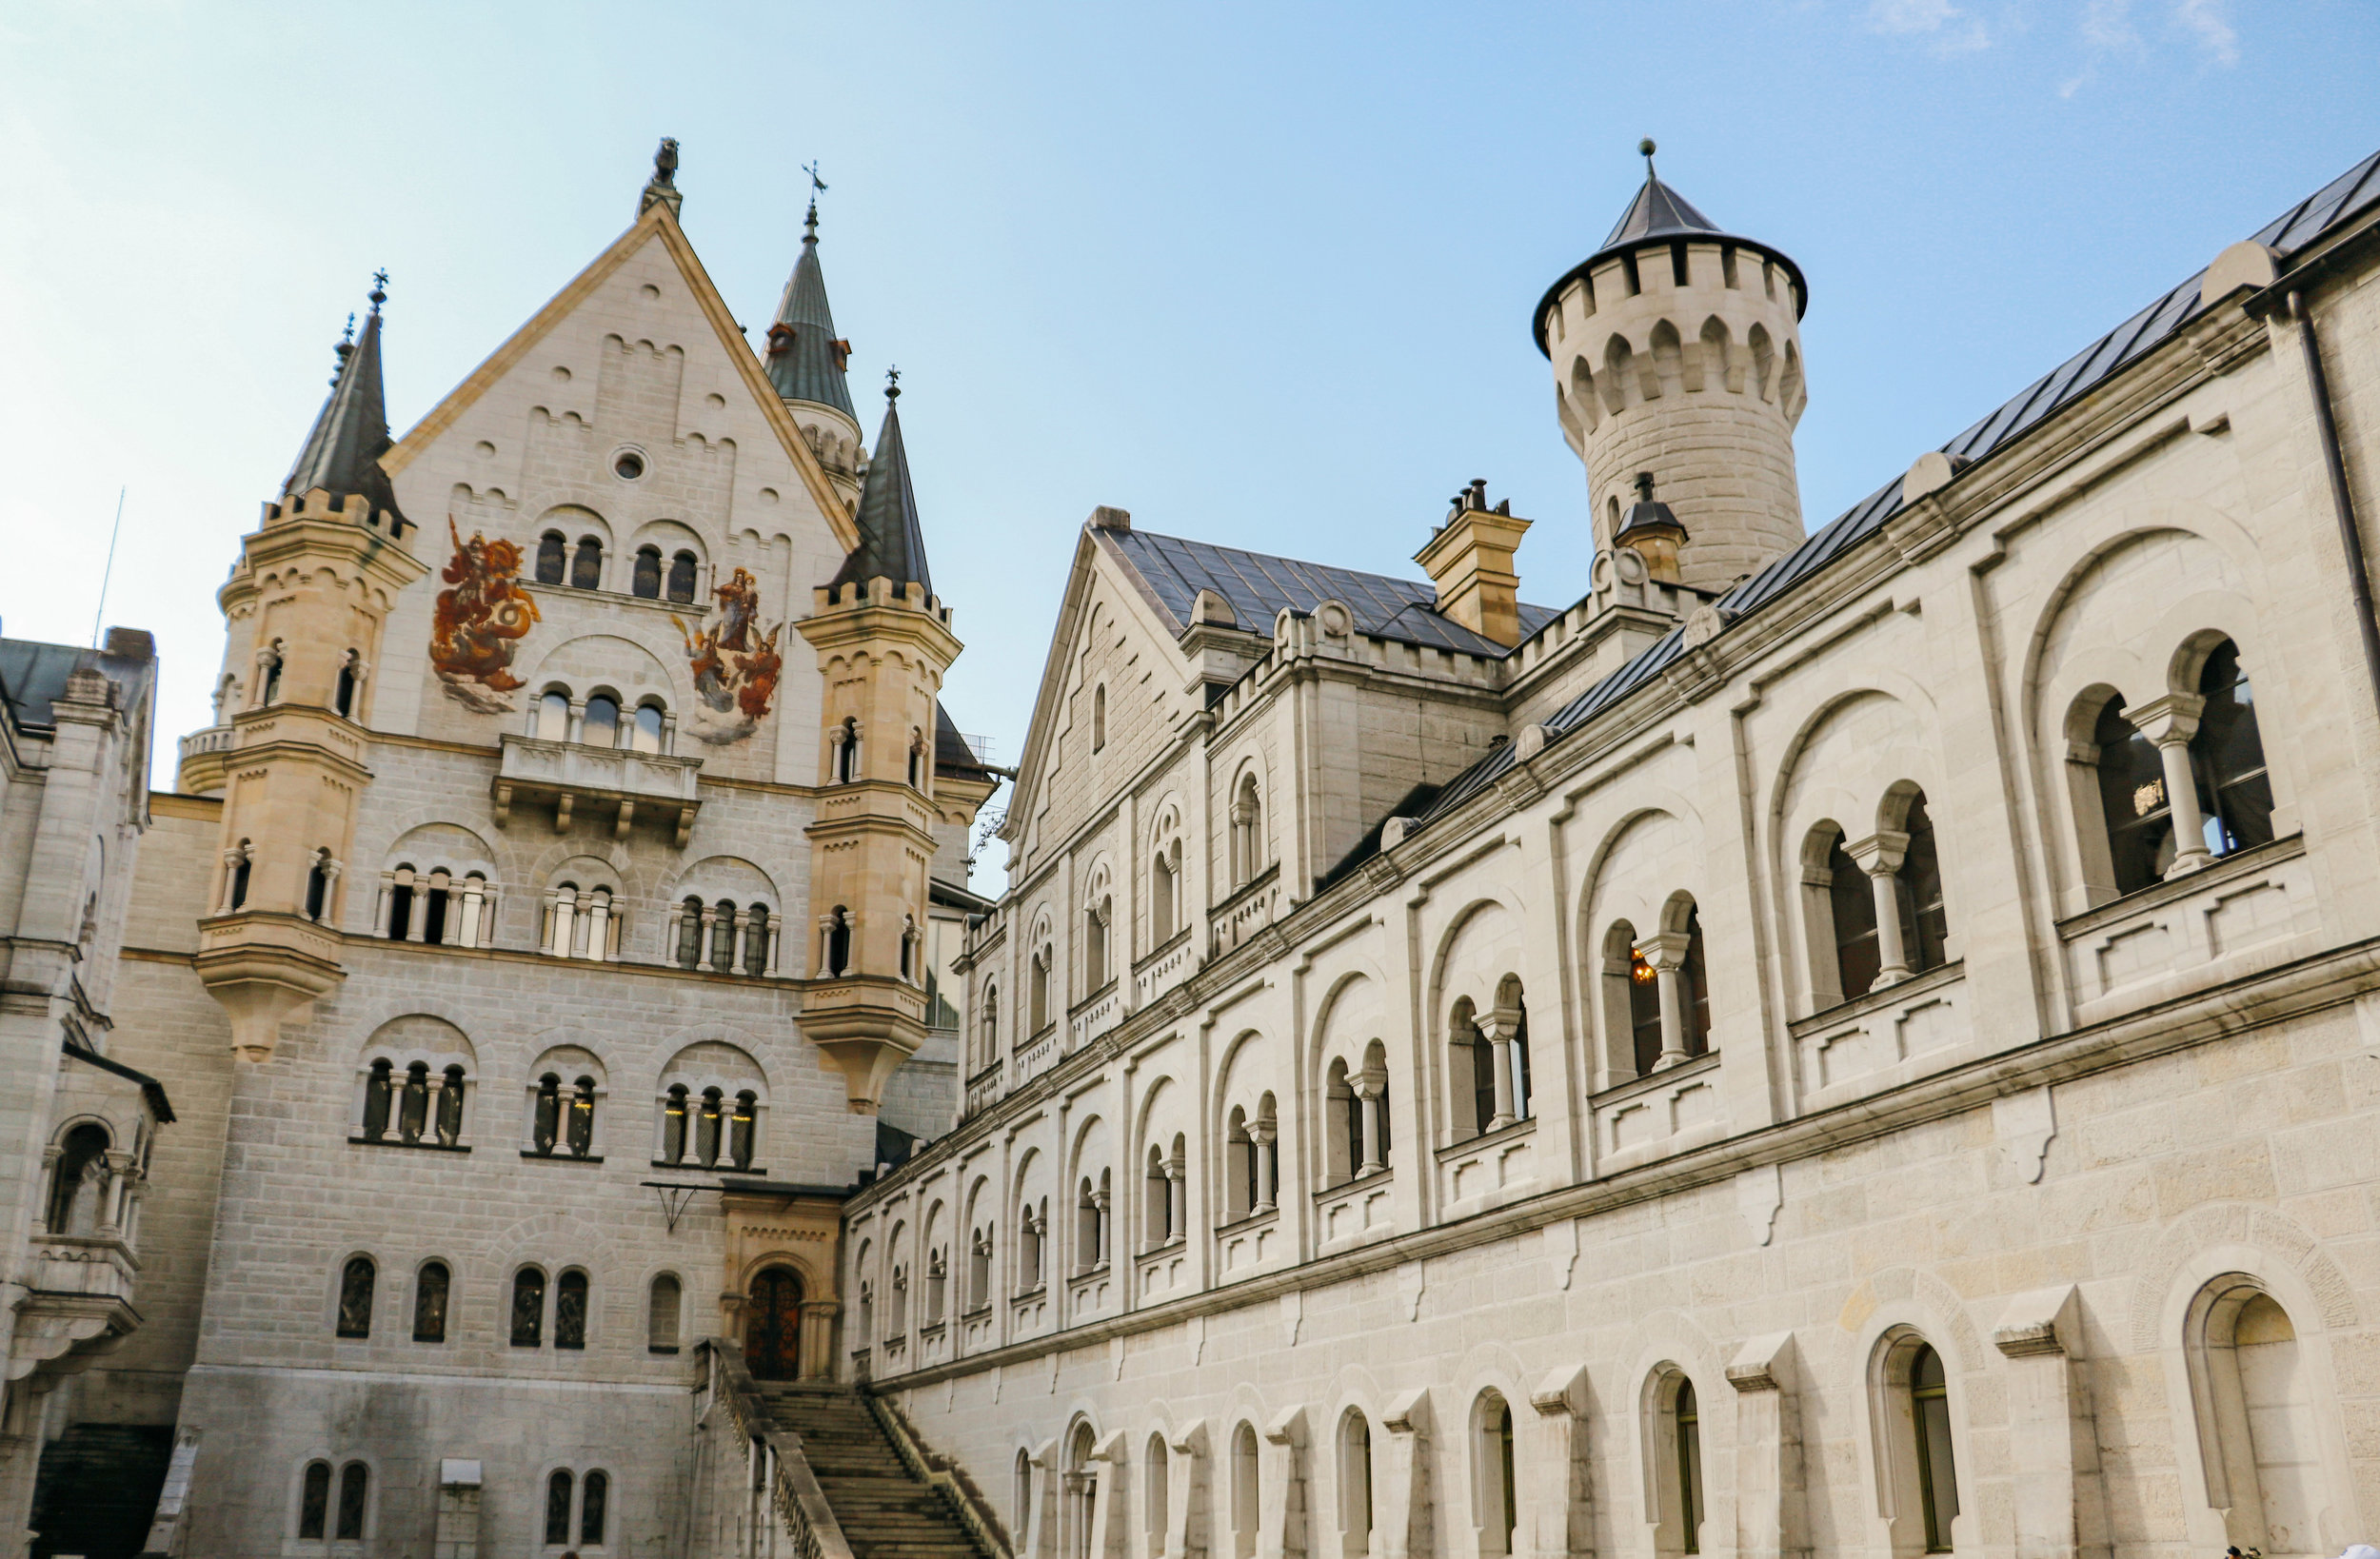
x=1258, y=273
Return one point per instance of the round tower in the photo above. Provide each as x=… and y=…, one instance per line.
x=1677, y=354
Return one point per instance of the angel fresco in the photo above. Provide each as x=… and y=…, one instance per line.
x=735, y=665
x=479, y=621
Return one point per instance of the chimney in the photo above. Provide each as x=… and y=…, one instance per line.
x=1469, y=559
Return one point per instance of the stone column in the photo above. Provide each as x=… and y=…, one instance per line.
x=577, y=730
x=559, y=940
x=1552, y=1511
x=743, y=927
x=582, y=907
x=2053, y=1448
x=332, y=868
x=1880, y=854
x=1099, y=1203
x=1666, y=953
x=474, y=902
x=1177, y=1199
x=1768, y=1449
x=702, y=946
x=1368, y=1090
x=388, y=903
x=817, y=1338
x=775, y=943
x=1498, y=1029
x=417, y=912
x=1260, y=1136
x=2171, y=722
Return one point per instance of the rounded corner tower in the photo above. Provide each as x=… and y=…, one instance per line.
x=1676, y=352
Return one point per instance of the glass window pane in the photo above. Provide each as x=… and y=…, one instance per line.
x=648, y=572
x=1858, y=960
x=355, y=1299
x=528, y=1308
x=430, y=1304
x=570, y=1311
x=591, y=1502
x=549, y=551
x=602, y=727
x=553, y=718
x=2132, y=797
x=586, y=565
x=1925, y=927
x=681, y=577
x=647, y=737
x=2228, y=752
x=353, y=1486
x=558, y=1509
x=314, y=1502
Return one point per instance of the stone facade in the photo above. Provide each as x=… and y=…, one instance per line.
x=1876, y=1058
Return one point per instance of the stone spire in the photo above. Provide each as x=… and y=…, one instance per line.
x=892, y=544
x=342, y=454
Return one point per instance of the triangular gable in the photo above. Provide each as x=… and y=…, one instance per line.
x=1072, y=610
x=657, y=222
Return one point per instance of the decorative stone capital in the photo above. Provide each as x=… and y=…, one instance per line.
x=1880, y=853
x=2167, y=721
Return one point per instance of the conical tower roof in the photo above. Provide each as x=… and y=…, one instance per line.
x=1660, y=215
x=892, y=544
x=342, y=454
x=805, y=359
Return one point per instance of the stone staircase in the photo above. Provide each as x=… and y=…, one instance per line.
x=886, y=1512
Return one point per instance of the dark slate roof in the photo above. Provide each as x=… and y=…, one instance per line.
x=342, y=454
x=1660, y=215
x=32, y=677
x=158, y=1104
x=1258, y=585
x=2351, y=193
x=951, y=753
x=810, y=368
x=892, y=545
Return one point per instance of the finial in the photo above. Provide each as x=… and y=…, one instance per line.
x=665, y=163
x=342, y=351
x=380, y=288
x=818, y=187
x=1645, y=148
x=892, y=384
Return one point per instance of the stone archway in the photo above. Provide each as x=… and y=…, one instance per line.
x=772, y=1325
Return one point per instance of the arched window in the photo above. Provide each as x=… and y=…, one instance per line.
x=2226, y=754
x=1038, y=989
x=356, y=1282
x=644, y=736
x=79, y=1179
x=354, y=1492
x=1499, y=1506
x=558, y=1509
x=318, y=873
x=1354, y=1485
x=741, y=1127
x=706, y=1127
x=1098, y=717
x=1082, y=1484
x=550, y=548
x=661, y=1314
x=2132, y=800
x=587, y=564
x=553, y=715
x=690, y=933
x=580, y=1132
x=1020, y=1492
x=990, y=1051
x=936, y=1288
x=1685, y=1415
x=1239, y=1166
x=1857, y=960
x=314, y=1502
x=413, y=1104
x=1925, y=924
x=379, y=1089
x=674, y=1107
x=451, y=1107
x=600, y=727
x=1246, y=1506
x=240, y=875
x=546, y=1114
x=1164, y=893
x=647, y=580
x=979, y=1271
x=1937, y=1478
x=1343, y=1143
x=1470, y=1061
x=1087, y=1253
x=1247, y=833
x=273, y=660
x=916, y=760
x=2255, y=1396
x=848, y=751
x=1155, y=1481
x=594, y=1500
x=1694, y=986
x=430, y=1287
x=1512, y=1020
x=681, y=577
x=1030, y=1229
x=724, y=936
x=1094, y=971
x=839, y=941
x=571, y=1310
x=528, y=1308
x=342, y=694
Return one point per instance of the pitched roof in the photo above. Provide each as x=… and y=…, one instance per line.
x=892, y=544
x=809, y=365
x=1657, y=212
x=342, y=454
x=952, y=754
x=1258, y=585
x=34, y=676
x=2351, y=193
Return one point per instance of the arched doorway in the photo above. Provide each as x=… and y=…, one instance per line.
x=772, y=1325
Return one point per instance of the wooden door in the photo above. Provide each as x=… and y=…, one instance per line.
x=772, y=1325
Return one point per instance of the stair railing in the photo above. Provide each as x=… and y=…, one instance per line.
x=941, y=1473
x=794, y=1494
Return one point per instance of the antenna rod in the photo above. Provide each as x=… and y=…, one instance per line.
x=109, y=571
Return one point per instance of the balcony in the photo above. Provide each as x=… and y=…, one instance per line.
x=629, y=785
x=1353, y=1212
x=2244, y=913
x=1655, y=1116
x=1163, y=969
x=1488, y=1170
x=1096, y=1017
x=81, y=1300
x=1249, y=910
x=1884, y=1038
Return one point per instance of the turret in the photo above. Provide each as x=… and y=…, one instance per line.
x=806, y=361
x=1677, y=355
x=306, y=608
x=884, y=644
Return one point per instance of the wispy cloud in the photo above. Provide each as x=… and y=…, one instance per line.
x=2110, y=32
x=1945, y=27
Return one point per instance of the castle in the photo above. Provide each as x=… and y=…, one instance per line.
x=1864, y=1040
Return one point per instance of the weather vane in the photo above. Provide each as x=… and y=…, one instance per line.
x=817, y=186
x=892, y=383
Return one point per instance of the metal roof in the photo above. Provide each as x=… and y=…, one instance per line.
x=34, y=676
x=341, y=453
x=892, y=544
x=1659, y=211
x=1258, y=585
x=810, y=367
x=2350, y=193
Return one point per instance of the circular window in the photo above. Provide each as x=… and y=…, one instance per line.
x=628, y=464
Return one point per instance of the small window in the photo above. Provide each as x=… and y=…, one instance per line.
x=570, y=1311
x=645, y=737
x=553, y=717
x=601, y=727
x=1246, y=1502
x=579, y=1132
x=1857, y=958
x=681, y=577
x=1098, y=717
x=587, y=564
x=741, y=1127
x=690, y=933
x=661, y=1315
x=1693, y=985
x=647, y=581
x=528, y=1308
x=2227, y=755
x=723, y=938
x=1689, y=1416
x=79, y=1179
x=546, y=1114
x=314, y=1502
x=379, y=1087
x=756, y=940
x=673, y=1124
x=429, y=1302
x=343, y=696
x=1925, y=925
x=593, y=1496
x=355, y=1297
x=551, y=550
x=1937, y=1478
x=627, y=465
x=354, y=1485
x=558, y=1509
x=1354, y=1485
x=2132, y=800
x=318, y=885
